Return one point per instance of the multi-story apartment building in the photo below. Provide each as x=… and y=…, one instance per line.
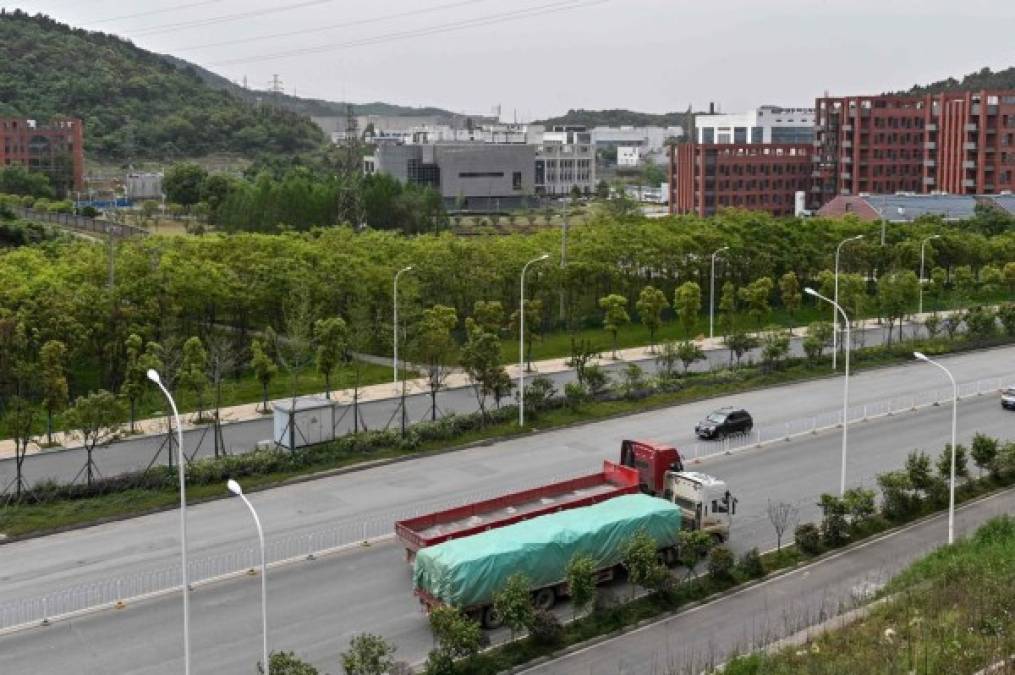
x=954, y=142
x=761, y=177
x=55, y=149
x=757, y=160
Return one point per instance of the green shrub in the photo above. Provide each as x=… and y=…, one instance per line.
x=808, y=538
x=546, y=629
x=752, y=565
x=720, y=564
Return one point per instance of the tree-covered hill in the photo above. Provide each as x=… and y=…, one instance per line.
x=307, y=106
x=618, y=117
x=985, y=78
x=135, y=104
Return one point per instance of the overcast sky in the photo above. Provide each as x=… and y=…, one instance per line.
x=540, y=57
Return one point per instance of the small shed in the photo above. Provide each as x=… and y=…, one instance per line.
x=303, y=421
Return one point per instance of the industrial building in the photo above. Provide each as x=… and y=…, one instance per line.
x=55, y=149
x=565, y=160
x=905, y=208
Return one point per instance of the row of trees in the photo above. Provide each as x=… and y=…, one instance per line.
x=169, y=289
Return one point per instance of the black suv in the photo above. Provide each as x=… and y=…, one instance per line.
x=724, y=422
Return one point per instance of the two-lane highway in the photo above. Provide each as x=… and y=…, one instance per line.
x=317, y=605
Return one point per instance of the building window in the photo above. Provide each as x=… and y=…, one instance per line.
x=480, y=174
x=516, y=180
x=740, y=134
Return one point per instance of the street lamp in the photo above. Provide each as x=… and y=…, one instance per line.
x=845, y=390
x=835, y=317
x=711, y=295
x=923, y=246
x=235, y=488
x=394, y=323
x=181, y=465
x=955, y=410
x=521, y=342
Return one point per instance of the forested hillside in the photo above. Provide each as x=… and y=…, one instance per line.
x=135, y=104
x=618, y=117
x=982, y=79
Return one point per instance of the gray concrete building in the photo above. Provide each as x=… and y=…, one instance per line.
x=469, y=176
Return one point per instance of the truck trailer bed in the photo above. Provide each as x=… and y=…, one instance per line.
x=462, y=521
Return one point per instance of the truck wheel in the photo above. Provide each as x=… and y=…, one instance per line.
x=492, y=618
x=544, y=598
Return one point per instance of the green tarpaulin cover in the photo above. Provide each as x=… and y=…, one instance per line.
x=466, y=572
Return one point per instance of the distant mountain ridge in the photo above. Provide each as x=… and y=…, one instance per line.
x=618, y=117
x=985, y=78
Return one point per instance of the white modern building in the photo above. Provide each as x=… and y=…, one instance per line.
x=767, y=124
x=628, y=156
x=565, y=159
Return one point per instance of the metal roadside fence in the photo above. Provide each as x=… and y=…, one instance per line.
x=356, y=531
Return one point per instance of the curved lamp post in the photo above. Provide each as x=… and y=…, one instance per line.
x=955, y=410
x=835, y=317
x=845, y=389
x=521, y=342
x=153, y=375
x=235, y=488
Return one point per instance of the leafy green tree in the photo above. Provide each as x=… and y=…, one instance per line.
x=727, y=308
x=689, y=352
x=774, y=346
x=918, y=471
x=897, y=294
x=965, y=282
x=1006, y=313
x=513, y=603
x=693, y=547
x=650, y=306
x=264, y=369
x=192, y=374
x=184, y=182
x=991, y=279
x=19, y=421
x=287, y=663
x=434, y=347
x=615, y=315
x=16, y=180
x=789, y=292
x=984, y=451
x=981, y=323
x=944, y=462
x=481, y=359
x=53, y=367
x=581, y=582
x=602, y=190
x=720, y=564
x=739, y=344
x=456, y=635
x=331, y=339
x=641, y=561
x=96, y=418
x=134, y=377
x=756, y=296
x=368, y=654
x=687, y=303
x=489, y=315
x=533, y=319
x=1008, y=275
x=666, y=360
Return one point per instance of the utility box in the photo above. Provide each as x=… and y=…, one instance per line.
x=303, y=421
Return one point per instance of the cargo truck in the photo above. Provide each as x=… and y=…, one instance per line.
x=463, y=555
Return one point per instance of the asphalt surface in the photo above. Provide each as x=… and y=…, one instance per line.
x=135, y=454
x=316, y=606
x=709, y=635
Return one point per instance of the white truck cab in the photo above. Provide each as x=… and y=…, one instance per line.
x=705, y=500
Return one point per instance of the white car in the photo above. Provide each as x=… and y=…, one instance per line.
x=1008, y=398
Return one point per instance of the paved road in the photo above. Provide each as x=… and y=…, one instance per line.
x=707, y=636
x=316, y=606
x=137, y=453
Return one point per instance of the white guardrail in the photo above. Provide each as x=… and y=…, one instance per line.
x=119, y=591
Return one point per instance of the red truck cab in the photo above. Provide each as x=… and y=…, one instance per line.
x=652, y=461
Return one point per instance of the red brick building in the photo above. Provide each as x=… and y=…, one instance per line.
x=763, y=177
x=955, y=142
x=55, y=149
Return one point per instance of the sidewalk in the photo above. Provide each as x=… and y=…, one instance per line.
x=375, y=392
